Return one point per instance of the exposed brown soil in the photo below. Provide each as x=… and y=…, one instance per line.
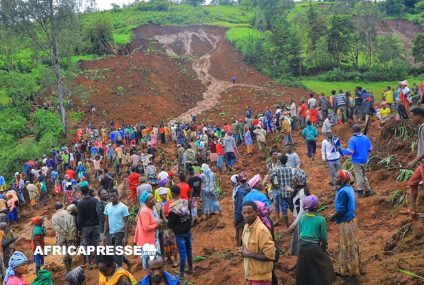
x=214, y=239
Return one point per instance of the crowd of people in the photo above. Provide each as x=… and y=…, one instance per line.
x=122, y=179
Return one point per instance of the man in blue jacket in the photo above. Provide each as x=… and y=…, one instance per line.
x=359, y=147
x=156, y=274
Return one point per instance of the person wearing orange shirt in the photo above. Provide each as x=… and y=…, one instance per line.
x=302, y=114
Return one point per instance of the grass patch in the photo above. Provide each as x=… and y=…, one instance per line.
x=240, y=37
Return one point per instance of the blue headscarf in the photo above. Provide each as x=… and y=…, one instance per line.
x=144, y=197
x=16, y=260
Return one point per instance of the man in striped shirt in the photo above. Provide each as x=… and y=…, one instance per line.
x=281, y=178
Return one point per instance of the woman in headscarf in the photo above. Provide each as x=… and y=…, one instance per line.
x=349, y=259
x=148, y=225
x=75, y=277
x=314, y=266
x=210, y=201
x=263, y=214
x=18, y=267
x=162, y=186
x=12, y=201
x=301, y=191
x=256, y=194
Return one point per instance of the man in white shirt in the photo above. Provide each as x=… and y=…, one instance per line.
x=330, y=155
x=293, y=115
x=312, y=102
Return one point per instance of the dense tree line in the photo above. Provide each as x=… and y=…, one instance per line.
x=342, y=37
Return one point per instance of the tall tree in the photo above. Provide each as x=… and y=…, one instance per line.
x=286, y=50
x=339, y=36
x=9, y=37
x=316, y=30
x=368, y=17
x=47, y=23
x=390, y=50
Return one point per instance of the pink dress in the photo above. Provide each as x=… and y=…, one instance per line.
x=145, y=231
x=15, y=280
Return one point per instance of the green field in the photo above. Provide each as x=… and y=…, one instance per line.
x=376, y=88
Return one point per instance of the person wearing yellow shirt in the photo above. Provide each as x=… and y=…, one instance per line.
x=388, y=96
x=384, y=113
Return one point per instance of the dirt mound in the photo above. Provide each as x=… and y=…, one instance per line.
x=147, y=87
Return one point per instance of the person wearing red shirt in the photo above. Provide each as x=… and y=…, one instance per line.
x=255, y=121
x=220, y=154
x=184, y=187
x=70, y=172
x=227, y=128
x=133, y=180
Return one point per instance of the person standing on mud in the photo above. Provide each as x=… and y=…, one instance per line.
x=258, y=248
x=240, y=192
x=282, y=177
x=359, y=147
x=260, y=135
x=230, y=148
x=66, y=231
x=88, y=222
x=418, y=176
x=330, y=155
x=310, y=134
x=349, y=259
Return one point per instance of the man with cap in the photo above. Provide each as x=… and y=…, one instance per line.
x=359, y=147
x=418, y=176
x=66, y=231
x=241, y=191
x=330, y=155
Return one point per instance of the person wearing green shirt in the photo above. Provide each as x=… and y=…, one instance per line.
x=314, y=266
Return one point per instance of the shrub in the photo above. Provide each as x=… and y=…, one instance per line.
x=154, y=5
x=46, y=122
x=338, y=74
x=98, y=35
x=386, y=73
x=13, y=123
